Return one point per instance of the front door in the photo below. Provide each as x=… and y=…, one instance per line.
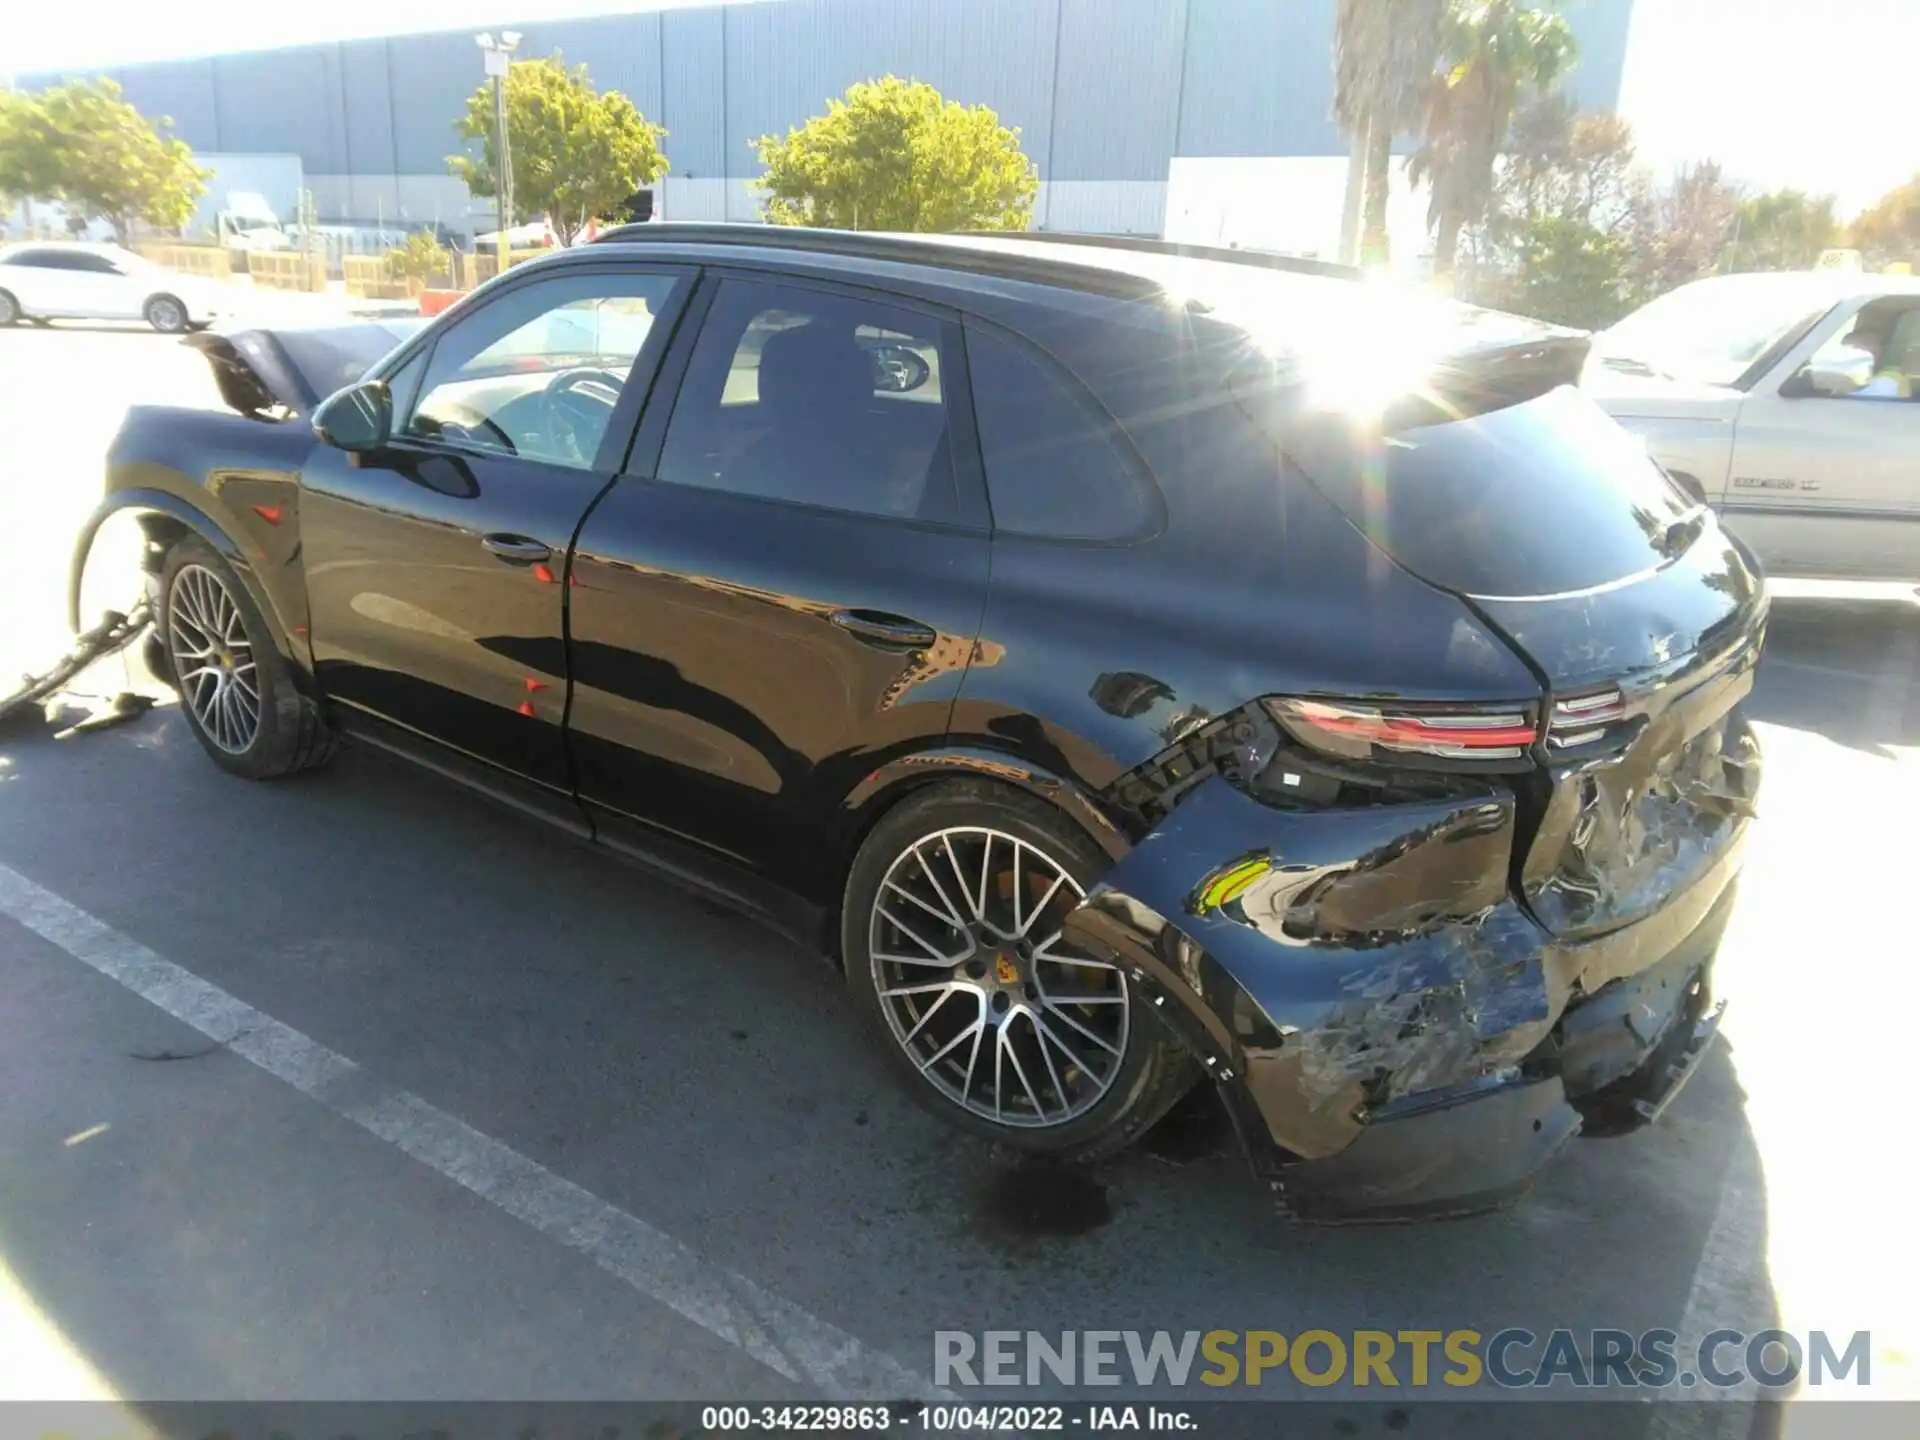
x=436, y=569
x=787, y=590
x=1826, y=460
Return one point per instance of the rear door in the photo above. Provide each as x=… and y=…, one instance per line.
x=435, y=568
x=41, y=280
x=785, y=589
x=1826, y=477
x=1641, y=617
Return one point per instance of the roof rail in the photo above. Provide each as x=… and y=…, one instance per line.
x=1265, y=259
x=917, y=249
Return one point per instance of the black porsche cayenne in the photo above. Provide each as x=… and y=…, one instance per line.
x=1135, y=666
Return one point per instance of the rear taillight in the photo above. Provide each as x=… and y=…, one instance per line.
x=1357, y=731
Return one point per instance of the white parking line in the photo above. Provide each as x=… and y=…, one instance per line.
x=774, y=1331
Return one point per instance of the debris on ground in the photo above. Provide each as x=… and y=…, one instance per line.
x=113, y=634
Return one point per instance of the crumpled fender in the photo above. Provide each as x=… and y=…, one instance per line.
x=1328, y=965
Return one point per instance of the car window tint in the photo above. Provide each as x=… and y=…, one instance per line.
x=94, y=264
x=1055, y=466
x=816, y=398
x=538, y=372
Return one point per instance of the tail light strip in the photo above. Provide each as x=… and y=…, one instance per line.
x=1463, y=734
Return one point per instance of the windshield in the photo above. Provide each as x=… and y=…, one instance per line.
x=1711, y=332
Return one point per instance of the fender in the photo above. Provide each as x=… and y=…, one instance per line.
x=146, y=501
x=880, y=789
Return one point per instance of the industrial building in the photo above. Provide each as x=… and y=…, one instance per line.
x=1107, y=95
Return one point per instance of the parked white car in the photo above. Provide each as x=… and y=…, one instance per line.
x=1790, y=402
x=73, y=281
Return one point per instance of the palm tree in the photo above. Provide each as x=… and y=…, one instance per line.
x=1385, y=52
x=1491, y=52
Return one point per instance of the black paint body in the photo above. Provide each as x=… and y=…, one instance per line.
x=673, y=681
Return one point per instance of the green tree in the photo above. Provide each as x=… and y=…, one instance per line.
x=895, y=155
x=1492, y=53
x=1384, y=53
x=1556, y=240
x=576, y=153
x=1889, y=232
x=421, y=257
x=1683, y=230
x=1781, y=230
x=81, y=144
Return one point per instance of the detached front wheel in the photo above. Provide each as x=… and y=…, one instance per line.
x=951, y=931
x=235, y=689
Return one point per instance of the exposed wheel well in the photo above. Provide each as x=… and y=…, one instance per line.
x=886, y=801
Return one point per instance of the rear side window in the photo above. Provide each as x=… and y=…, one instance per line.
x=1535, y=499
x=1056, y=467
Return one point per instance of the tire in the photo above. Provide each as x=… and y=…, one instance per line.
x=166, y=314
x=204, y=612
x=9, y=309
x=1057, y=1095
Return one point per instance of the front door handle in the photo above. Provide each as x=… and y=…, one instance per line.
x=516, y=547
x=888, y=632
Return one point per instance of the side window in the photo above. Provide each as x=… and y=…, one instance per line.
x=816, y=398
x=1876, y=356
x=538, y=372
x=1055, y=466
x=40, y=259
x=92, y=264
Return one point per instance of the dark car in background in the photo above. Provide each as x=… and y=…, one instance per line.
x=1135, y=666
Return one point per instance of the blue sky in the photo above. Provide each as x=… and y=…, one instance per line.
x=1817, y=94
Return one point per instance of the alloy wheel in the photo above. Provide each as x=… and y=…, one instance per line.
x=166, y=315
x=977, y=986
x=213, y=660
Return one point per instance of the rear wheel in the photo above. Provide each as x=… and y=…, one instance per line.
x=951, y=933
x=166, y=314
x=235, y=689
x=9, y=308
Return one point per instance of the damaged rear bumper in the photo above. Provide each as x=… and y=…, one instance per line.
x=1385, y=1056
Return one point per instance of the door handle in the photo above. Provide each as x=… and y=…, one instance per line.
x=887, y=632
x=516, y=547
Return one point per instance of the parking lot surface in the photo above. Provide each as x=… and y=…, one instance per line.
x=463, y=1109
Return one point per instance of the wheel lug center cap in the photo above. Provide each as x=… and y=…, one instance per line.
x=1005, y=969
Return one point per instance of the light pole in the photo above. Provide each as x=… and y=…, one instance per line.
x=499, y=55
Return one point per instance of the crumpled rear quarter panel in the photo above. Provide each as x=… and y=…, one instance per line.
x=1332, y=963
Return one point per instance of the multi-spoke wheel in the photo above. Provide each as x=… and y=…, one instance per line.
x=213, y=659
x=235, y=689
x=953, y=931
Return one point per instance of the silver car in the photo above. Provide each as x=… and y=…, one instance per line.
x=1790, y=402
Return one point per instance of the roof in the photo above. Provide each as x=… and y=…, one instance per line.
x=1045, y=256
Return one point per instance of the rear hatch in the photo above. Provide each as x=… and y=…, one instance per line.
x=1499, y=482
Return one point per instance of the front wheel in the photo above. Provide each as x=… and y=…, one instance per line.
x=166, y=314
x=9, y=308
x=951, y=932
x=236, y=690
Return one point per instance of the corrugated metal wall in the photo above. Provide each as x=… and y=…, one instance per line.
x=1104, y=92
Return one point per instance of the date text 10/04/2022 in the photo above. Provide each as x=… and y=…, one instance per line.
x=1009, y=1419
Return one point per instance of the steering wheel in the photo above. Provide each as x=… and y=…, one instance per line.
x=579, y=403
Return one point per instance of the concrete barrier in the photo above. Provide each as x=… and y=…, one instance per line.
x=287, y=270
x=211, y=260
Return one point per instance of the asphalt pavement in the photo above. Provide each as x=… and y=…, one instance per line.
x=356, y=1087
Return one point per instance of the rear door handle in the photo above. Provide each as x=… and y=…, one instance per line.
x=516, y=547
x=887, y=632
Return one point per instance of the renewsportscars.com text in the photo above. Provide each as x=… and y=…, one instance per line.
x=1404, y=1359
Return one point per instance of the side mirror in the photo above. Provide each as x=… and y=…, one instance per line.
x=1833, y=373
x=359, y=417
